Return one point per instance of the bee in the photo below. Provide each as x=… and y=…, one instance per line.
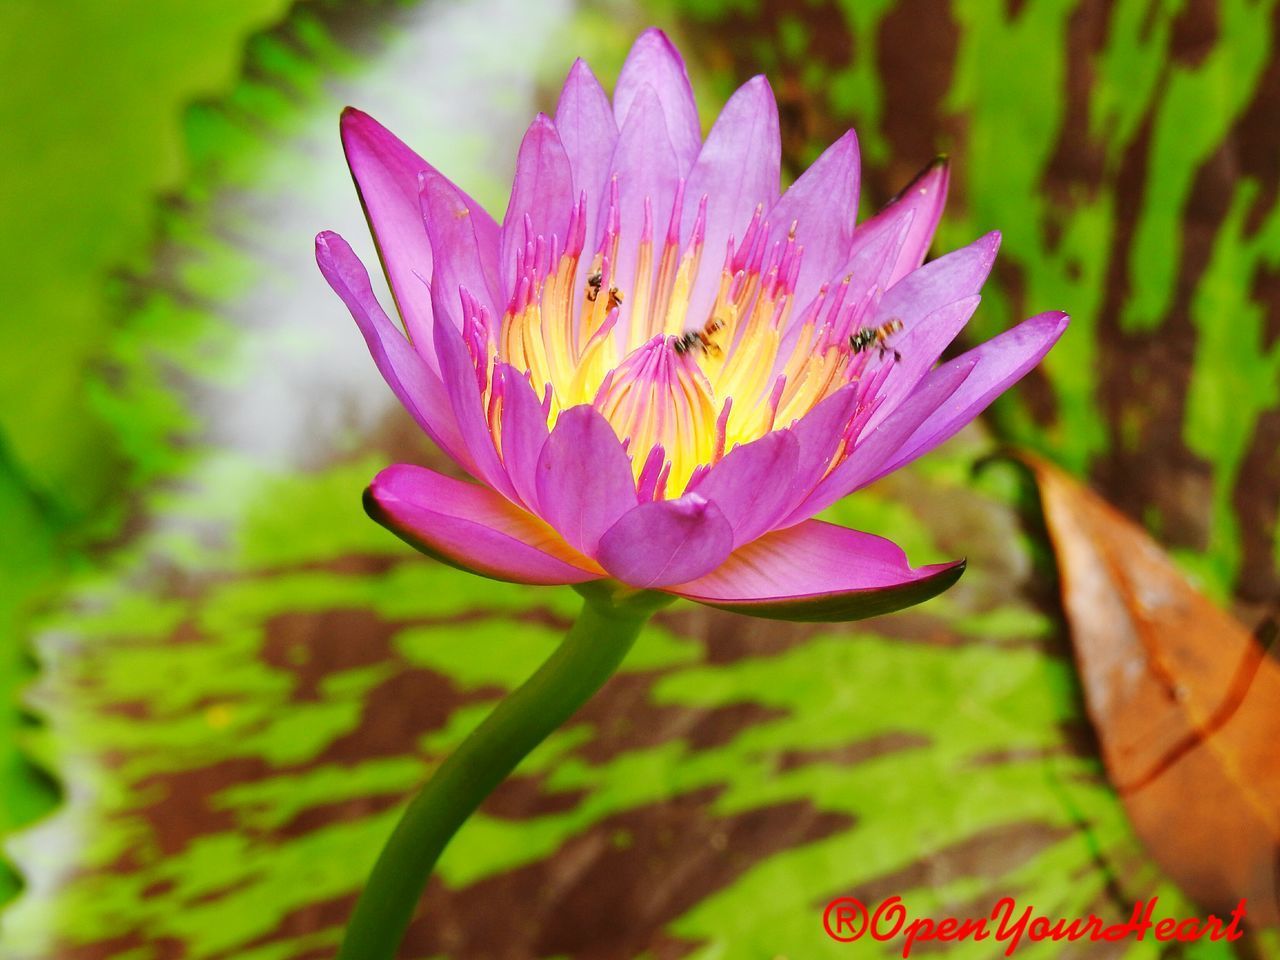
x=879, y=336
x=700, y=338
x=615, y=298
x=594, y=282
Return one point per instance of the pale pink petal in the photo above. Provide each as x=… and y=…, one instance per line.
x=823, y=204
x=655, y=62
x=584, y=478
x=738, y=169
x=646, y=169
x=666, y=541
x=584, y=119
x=819, y=572
x=471, y=527
x=542, y=197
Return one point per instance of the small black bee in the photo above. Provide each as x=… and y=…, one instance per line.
x=879, y=336
x=593, y=286
x=700, y=338
x=615, y=298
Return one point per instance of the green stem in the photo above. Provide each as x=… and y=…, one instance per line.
x=594, y=647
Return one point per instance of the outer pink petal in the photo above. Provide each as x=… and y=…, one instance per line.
x=655, y=62
x=584, y=478
x=471, y=527
x=876, y=445
x=460, y=383
x=386, y=176
x=541, y=194
x=998, y=364
x=666, y=541
x=919, y=207
x=646, y=168
x=823, y=203
x=406, y=372
x=819, y=572
x=755, y=484
x=584, y=119
x=465, y=250
x=739, y=168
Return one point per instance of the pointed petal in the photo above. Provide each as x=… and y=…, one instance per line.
x=459, y=375
x=819, y=572
x=584, y=478
x=920, y=344
x=589, y=133
x=644, y=164
x=998, y=364
x=754, y=485
x=417, y=388
x=655, y=62
x=823, y=203
x=876, y=445
x=524, y=434
x=386, y=177
x=472, y=528
x=739, y=167
x=666, y=541
x=919, y=206
x=464, y=249
x=542, y=191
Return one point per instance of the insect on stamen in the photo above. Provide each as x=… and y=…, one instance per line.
x=878, y=337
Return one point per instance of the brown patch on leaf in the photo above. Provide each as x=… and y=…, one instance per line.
x=1183, y=699
x=859, y=751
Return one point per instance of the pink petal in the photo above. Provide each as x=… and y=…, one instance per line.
x=998, y=364
x=819, y=572
x=471, y=527
x=755, y=484
x=739, y=167
x=920, y=344
x=386, y=176
x=666, y=541
x=655, y=62
x=542, y=192
x=459, y=375
x=646, y=168
x=524, y=434
x=465, y=249
x=584, y=478
x=823, y=203
x=417, y=388
x=919, y=207
x=876, y=445
x=587, y=129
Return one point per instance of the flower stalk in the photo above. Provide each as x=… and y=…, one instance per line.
x=596, y=644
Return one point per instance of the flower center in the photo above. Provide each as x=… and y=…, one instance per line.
x=680, y=382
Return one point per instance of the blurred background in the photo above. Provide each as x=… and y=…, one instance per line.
x=219, y=680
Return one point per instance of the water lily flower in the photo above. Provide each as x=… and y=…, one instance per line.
x=652, y=367
x=659, y=367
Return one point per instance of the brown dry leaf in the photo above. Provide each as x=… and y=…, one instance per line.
x=1185, y=702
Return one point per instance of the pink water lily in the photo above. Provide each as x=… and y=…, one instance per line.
x=658, y=368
